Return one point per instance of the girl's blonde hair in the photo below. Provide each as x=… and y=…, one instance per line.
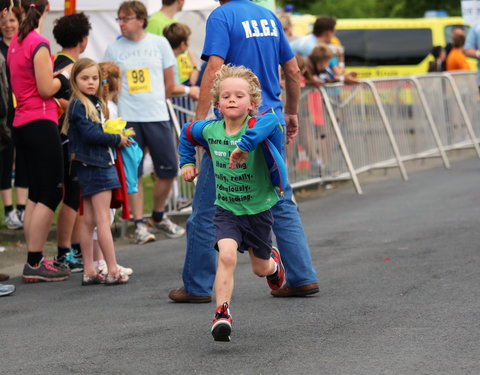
x=229, y=71
x=90, y=110
x=111, y=81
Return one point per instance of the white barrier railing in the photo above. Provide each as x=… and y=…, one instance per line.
x=453, y=101
x=345, y=130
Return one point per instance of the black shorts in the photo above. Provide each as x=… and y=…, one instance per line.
x=158, y=137
x=249, y=231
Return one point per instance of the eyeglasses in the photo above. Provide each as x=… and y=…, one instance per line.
x=124, y=19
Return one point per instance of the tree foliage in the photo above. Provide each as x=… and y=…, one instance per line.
x=373, y=8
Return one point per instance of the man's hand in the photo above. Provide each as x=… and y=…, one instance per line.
x=292, y=126
x=189, y=172
x=237, y=156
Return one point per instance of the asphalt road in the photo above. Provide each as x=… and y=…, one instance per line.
x=399, y=277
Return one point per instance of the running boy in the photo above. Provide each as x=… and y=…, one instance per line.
x=246, y=179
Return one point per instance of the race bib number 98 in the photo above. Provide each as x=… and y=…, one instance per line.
x=139, y=80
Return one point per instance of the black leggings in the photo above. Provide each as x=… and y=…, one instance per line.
x=39, y=141
x=71, y=195
x=6, y=167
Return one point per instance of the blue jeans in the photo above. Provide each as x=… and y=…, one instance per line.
x=201, y=258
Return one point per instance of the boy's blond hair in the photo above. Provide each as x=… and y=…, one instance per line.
x=230, y=71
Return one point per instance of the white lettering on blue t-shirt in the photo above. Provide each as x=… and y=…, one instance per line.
x=274, y=28
x=265, y=28
x=252, y=28
x=256, y=32
x=246, y=27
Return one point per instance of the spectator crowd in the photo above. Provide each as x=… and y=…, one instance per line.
x=74, y=132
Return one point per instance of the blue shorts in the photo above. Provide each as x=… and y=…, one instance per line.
x=158, y=138
x=249, y=231
x=94, y=180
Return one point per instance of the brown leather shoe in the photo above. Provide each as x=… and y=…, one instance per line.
x=181, y=296
x=3, y=277
x=299, y=291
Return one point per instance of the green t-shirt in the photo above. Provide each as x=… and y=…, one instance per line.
x=157, y=22
x=246, y=190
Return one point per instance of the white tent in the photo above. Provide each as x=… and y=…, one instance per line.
x=105, y=30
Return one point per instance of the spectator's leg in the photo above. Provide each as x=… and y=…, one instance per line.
x=201, y=257
x=292, y=242
x=161, y=192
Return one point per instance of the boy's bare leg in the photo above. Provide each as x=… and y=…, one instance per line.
x=262, y=267
x=227, y=261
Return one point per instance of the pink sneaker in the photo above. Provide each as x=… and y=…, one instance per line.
x=222, y=323
x=276, y=281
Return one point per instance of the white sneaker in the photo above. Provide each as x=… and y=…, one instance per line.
x=143, y=235
x=167, y=227
x=21, y=215
x=12, y=221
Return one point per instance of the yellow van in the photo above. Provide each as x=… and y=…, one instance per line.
x=389, y=47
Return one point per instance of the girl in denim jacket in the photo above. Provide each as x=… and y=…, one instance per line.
x=92, y=156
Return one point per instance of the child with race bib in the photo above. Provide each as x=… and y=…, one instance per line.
x=91, y=151
x=246, y=179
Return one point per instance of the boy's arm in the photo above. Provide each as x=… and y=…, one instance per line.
x=191, y=136
x=189, y=172
x=264, y=126
x=237, y=157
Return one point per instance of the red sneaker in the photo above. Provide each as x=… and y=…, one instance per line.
x=277, y=281
x=222, y=323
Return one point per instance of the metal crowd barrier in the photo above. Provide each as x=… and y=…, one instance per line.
x=410, y=118
x=345, y=130
x=182, y=110
x=453, y=101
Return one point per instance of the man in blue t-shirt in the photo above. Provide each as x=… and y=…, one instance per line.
x=240, y=32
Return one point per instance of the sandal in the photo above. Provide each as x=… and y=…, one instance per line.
x=120, y=278
x=93, y=280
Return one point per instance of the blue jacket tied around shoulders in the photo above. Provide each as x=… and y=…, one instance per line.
x=264, y=129
x=88, y=143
